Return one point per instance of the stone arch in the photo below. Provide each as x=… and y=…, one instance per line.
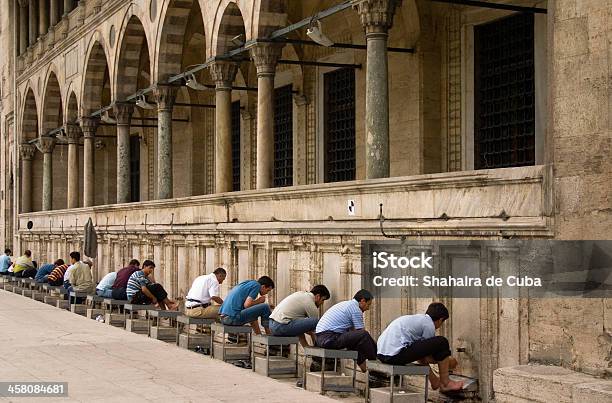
x=133, y=55
x=52, y=116
x=231, y=24
x=96, y=78
x=268, y=16
x=176, y=32
x=72, y=110
x=29, y=121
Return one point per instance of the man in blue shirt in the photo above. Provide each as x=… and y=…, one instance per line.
x=412, y=338
x=243, y=305
x=341, y=326
x=5, y=261
x=42, y=274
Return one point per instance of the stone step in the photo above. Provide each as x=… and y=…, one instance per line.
x=313, y=381
x=62, y=304
x=51, y=300
x=115, y=319
x=17, y=290
x=26, y=293
x=232, y=352
x=79, y=309
x=195, y=340
x=383, y=395
x=140, y=326
x=280, y=367
x=38, y=296
x=92, y=313
x=163, y=333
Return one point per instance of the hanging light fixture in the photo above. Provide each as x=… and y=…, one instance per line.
x=191, y=82
x=107, y=119
x=141, y=102
x=315, y=32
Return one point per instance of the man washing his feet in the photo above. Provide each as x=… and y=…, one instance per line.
x=412, y=338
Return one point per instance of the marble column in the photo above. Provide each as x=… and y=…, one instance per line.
x=89, y=127
x=27, y=155
x=73, y=134
x=377, y=18
x=43, y=18
x=54, y=12
x=165, y=96
x=45, y=146
x=223, y=74
x=32, y=22
x=123, y=113
x=265, y=56
x=68, y=6
x=23, y=26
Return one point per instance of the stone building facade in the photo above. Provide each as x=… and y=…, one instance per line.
x=198, y=134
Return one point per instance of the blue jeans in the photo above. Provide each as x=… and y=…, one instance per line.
x=296, y=327
x=249, y=315
x=106, y=293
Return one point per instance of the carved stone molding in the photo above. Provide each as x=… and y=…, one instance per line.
x=223, y=74
x=27, y=151
x=165, y=96
x=265, y=56
x=46, y=144
x=73, y=133
x=123, y=112
x=376, y=15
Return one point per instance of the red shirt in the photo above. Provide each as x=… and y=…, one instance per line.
x=123, y=276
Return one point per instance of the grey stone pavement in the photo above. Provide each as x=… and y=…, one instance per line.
x=105, y=364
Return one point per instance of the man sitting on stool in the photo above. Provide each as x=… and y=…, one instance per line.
x=342, y=327
x=242, y=305
x=142, y=291
x=298, y=314
x=412, y=338
x=204, y=291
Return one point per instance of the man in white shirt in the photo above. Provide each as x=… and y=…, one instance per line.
x=105, y=286
x=204, y=291
x=412, y=338
x=298, y=314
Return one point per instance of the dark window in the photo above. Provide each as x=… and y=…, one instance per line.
x=283, y=136
x=134, y=168
x=236, y=145
x=340, y=125
x=504, y=107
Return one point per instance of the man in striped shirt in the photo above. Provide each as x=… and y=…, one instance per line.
x=142, y=291
x=56, y=277
x=342, y=327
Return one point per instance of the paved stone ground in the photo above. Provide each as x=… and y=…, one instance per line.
x=105, y=364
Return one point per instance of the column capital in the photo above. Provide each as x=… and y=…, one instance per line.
x=123, y=112
x=89, y=125
x=23, y=3
x=46, y=144
x=223, y=74
x=73, y=132
x=265, y=56
x=27, y=151
x=376, y=15
x=165, y=96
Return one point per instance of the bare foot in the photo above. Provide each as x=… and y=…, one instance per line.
x=451, y=386
x=172, y=306
x=434, y=381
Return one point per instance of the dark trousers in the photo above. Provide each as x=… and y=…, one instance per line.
x=58, y=282
x=28, y=273
x=156, y=289
x=119, y=294
x=356, y=340
x=436, y=347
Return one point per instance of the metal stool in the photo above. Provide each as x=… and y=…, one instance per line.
x=336, y=355
x=223, y=329
x=393, y=371
x=268, y=341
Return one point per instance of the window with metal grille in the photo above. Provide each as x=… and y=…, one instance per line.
x=283, y=136
x=504, y=104
x=134, y=168
x=339, y=123
x=236, y=145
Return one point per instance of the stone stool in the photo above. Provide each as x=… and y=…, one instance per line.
x=336, y=355
x=95, y=307
x=164, y=333
x=79, y=309
x=114, y=318
x=226, y=329
x=139, y=324
x=283, y=366
x=185, y=339
x=395, y=370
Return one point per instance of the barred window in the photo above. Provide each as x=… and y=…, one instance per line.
x=339, y=120
x=236, y=145
x=283, y=136
x=504, y=105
